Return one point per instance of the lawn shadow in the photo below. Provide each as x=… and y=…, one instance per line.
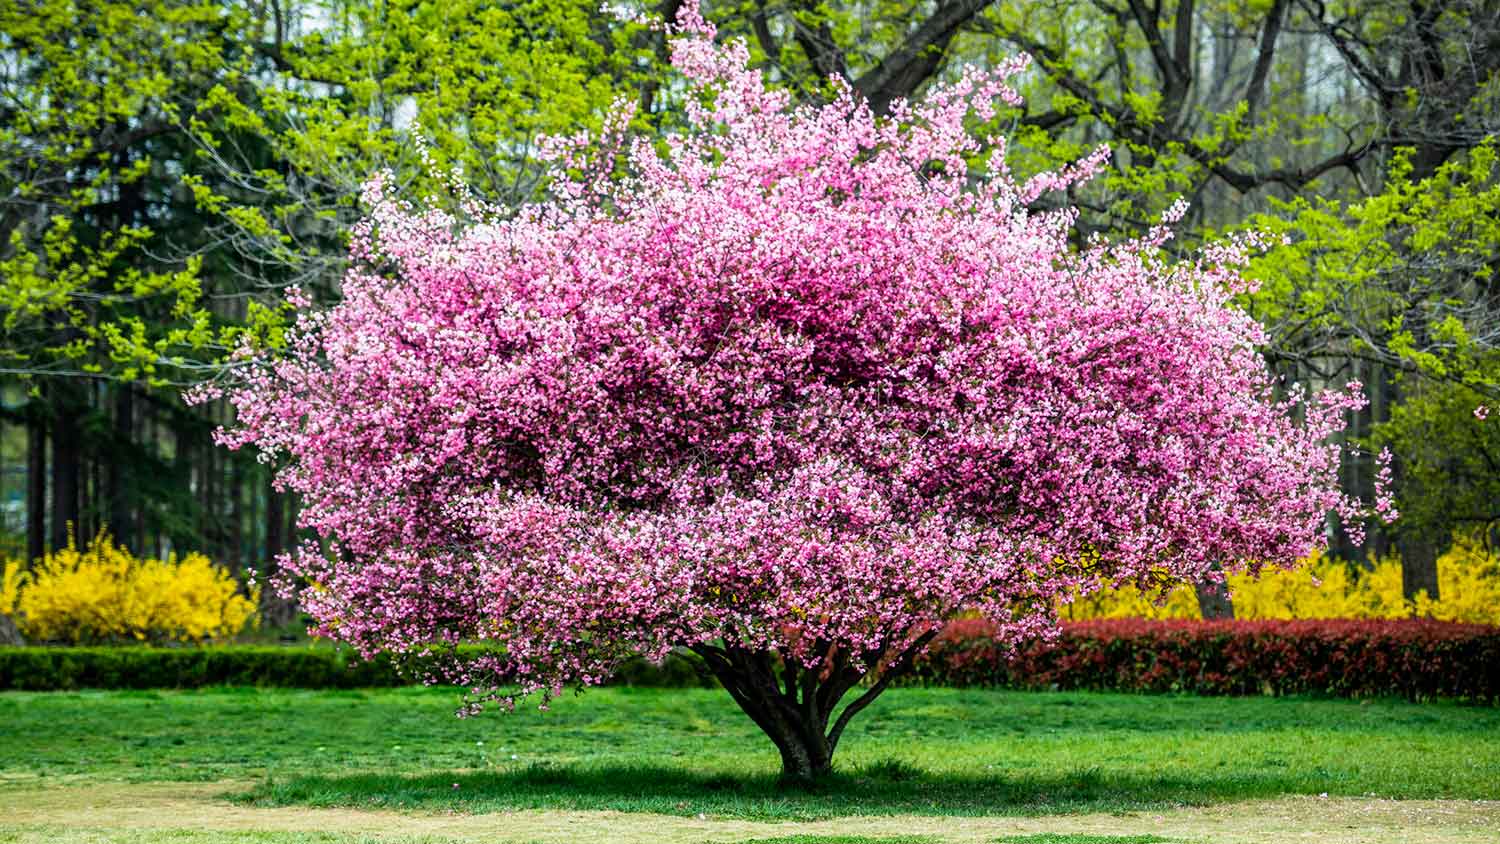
x=886, y=788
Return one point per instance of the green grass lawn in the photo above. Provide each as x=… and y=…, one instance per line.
x=684, y=752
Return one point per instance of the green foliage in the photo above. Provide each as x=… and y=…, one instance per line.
x=434, y=93
x=166, y=168
x=45, y=669
x=306, y=667
x=1402, y=276
x=1404, y=280
x=1450, y=458
x=85, y=157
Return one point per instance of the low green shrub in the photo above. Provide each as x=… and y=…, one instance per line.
x=49, y=669
x=311, y=667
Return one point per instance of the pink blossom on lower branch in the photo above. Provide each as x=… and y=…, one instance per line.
x=793, y=392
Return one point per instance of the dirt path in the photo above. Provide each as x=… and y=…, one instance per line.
x=28, y=814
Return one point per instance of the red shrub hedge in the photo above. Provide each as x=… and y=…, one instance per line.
x=1415, y=659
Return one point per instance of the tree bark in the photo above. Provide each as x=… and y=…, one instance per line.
x=274, y=608
x=1213, y=600
x=794, y=706
x=93, y=509
x=121, y=495
x=67, y=442
x=275, y=523
x=792, y=719
x=1418, y=567
x=236, y=513
x=36, y=486
x=208, y=493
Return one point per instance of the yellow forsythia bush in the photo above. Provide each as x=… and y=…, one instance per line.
x=1468, y=590
x=10, y=586
x=105, y=594
x=1468, y=586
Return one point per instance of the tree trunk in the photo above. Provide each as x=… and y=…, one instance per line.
x=67, y=441
x=93, y=509
x=1418, y=567
x=236, y=513
x=805, y=756
x=121, y=496
x=794, y=706
x=179, y=532
x=275, y=523
x=1213, y=598
x=208, y=499
x=36, y=487
x=274, y=608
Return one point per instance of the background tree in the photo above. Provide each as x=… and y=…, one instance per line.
x=168, y=170
x=1401, y=285
x=94, y=310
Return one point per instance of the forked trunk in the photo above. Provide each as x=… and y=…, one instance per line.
x=795, y=706
x=805, y=757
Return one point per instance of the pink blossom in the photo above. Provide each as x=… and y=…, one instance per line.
x=1385, y=507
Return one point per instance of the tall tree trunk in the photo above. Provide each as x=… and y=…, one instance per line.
x=149, y=535
x=236, y=513
x=36, y=485
x=93, y=508
x=274, y=608
x=1418, y=566
x=121, y=495
x=255, y=522
x=1356, y=475
x=275, y=522
x=67, y=443
x=1382, y=398
x=208, y=499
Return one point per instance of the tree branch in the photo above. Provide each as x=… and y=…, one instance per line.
x=818, y=44
x=918, y=57
x=1263, y=57
x=902, y=663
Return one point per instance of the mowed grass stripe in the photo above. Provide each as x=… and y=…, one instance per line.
x=162, y=812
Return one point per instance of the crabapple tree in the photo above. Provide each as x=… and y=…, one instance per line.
x=789, y=389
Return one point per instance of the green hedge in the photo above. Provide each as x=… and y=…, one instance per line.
x=308, y=667
x=49, y=669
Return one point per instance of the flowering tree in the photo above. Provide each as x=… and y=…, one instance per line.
x=790, y=389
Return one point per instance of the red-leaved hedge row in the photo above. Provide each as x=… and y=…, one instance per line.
x=1416, y=659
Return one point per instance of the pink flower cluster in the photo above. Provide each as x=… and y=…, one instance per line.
x=800, y=380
